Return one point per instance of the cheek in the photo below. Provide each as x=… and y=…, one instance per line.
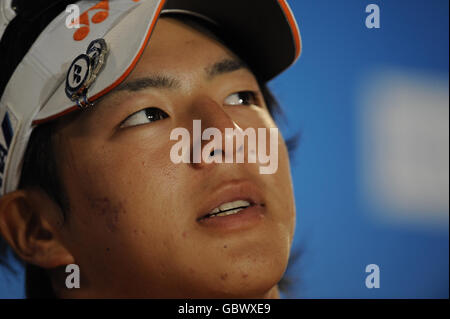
x=280, y=183
x=123, y=210
x=120, y=193
x=286, y=192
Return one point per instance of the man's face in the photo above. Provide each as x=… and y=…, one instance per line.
x=134, y=225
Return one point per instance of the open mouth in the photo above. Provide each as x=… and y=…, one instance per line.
x=229, y=208
x=235, y=205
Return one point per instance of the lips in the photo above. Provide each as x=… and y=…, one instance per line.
x=231, y=198
x=229, y=208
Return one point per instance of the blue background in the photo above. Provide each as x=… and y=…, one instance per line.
x=336, y=235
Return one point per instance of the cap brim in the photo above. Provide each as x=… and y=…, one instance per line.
x=264, y=32
x=266, y=35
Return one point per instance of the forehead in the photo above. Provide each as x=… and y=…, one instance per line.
x=179, y=46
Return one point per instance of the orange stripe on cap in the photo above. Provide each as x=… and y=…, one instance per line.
x=119, y=80
x=293, y=25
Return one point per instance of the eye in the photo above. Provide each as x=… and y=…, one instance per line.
x=144, y=116
x=241, y=98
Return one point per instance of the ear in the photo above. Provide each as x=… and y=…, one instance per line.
x=32, y=225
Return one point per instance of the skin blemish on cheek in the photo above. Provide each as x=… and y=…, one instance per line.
x=224, y=276
x=225, y=246
x=244, y=276
x=105, y=208
x=184, y=234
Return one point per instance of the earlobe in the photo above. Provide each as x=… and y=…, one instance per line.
x=29, y=223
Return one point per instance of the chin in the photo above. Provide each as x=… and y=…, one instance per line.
x=255, y=287
x=248, y=279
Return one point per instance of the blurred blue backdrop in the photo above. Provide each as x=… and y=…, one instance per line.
x=339, y=230
x=352, y=208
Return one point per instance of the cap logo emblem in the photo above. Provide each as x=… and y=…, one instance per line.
x=84, y=70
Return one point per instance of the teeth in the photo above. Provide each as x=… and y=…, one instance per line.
x=232, y=205
x=228, y=212
x=229, y=208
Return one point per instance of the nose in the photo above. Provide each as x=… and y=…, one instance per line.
x=213, y=132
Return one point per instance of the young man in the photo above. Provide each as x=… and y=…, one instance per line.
x=87, y=174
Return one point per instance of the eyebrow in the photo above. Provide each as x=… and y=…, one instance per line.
x=165, y=82
x=224, y=66
x=154, y=81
